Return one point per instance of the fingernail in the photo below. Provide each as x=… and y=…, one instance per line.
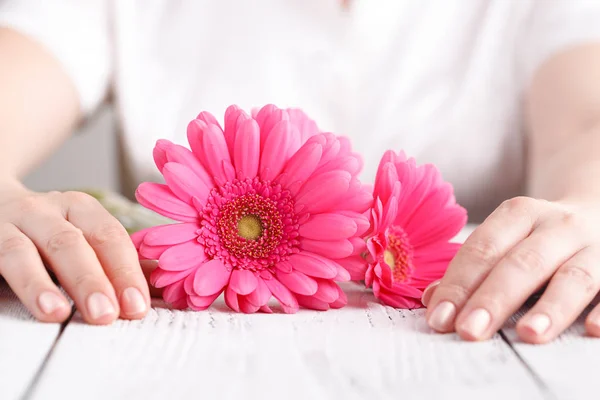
x=426, y=296
x=99, y=305
x=538, y=323
x=476, y=323
x=442, y=316
x=133, y=301
x=49, y=302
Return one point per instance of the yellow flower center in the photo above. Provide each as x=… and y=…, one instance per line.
x=250, y=227
x=398, y=255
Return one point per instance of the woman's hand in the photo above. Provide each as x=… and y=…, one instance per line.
x=87, y=249
x=520, y=247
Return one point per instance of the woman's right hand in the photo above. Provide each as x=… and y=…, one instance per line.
x=87, y=249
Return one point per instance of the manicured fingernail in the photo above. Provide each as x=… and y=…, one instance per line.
x=99, y=305
x=426, y=296
x=133, y=301
x=442, y=316
x=49, y=302
x=538, y=323
x=476, y=323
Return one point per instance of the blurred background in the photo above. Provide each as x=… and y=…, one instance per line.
x=84, y=160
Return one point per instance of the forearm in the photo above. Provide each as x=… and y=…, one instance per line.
x=563, y=108
x=38, y=104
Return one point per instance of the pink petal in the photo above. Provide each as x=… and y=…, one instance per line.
x=313, y=265
x=358, y=198
x=356, y=266
x=384, y=182
x=332, y=249
x=290, y=309
x=231, y=299
x=174, y=292
x=195, y=133
x=160, y=278
x=184, y=156
x=328, y=227
x=298, y=283
x=215, y=154
x=210, y=278
x=306, y=126
x=247, y=149
x=159, y=198
x=359, y=246
x=171, y=234
x=180, y=304
x=185, y=183
x=351, y=163
x=301, y=165
x=361, y=220
x=182, y=256
x=208, y=118
x=324, y=191
x=246, y=307
x=281, y=293
x=159, y=153
x=243, y=281
x=261, y=295
x=284, y=266
x=152, y=252
x=202, y=302
x=234, y=116
x=341, y=301
x=266, y=309
x=138, y=237
x=312, y=303
x=342, y=274
x=267, y=118
x=281, y=143
x=327, y=291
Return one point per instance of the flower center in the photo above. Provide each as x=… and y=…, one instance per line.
x=399, y=254
x=250, y=227
x=249, y=224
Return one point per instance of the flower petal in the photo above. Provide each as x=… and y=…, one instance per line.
x=261, y=295
x=199, y=303
x=301, y=165
x=137, y=238
x=159, y=153
x=322, y=192
x=231, y=299
x=341, y=301
x=182, y=256
x=171, y=234
x=159, y=198
x=210, y=278
x=298, y=283
x=282, y=142
x=182, y=155
x=313, y=265
x=327, y=291
x=331, y=249
x=246, y=307
x=184, y=183
x=247, y=149
x=356, y=266
x=328, y=227
x=312, y=303
x=215, y=154
x=152, y=252
x=160, y=278
x=243, y=281
x=174, y=292
x=282, y=293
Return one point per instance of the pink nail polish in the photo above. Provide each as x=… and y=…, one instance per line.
x=50, y=302
x=99, y=305
x=539, y=323
x=477, y=323
x=133, y=301
x=442, y=317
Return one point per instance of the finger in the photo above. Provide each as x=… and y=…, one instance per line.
x=74, y=263
x=428, y=292
x=147, y=267
x=23, y=270
x=114, y=249
x=518, y=275
x=510, y=223
x=570, y=290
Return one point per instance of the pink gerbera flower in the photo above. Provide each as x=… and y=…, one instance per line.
x=268, y=206
x=414, y=217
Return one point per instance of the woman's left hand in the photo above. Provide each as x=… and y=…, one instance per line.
x=522, y=246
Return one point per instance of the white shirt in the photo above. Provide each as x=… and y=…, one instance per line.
x=442, y=80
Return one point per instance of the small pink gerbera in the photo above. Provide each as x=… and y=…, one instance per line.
x=268, y=207
x=414, y=217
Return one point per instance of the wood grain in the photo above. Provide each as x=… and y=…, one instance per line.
x=364, y=351
x=24, y=345
x=569, y=365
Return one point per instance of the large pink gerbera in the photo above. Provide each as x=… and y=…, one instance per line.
x=414, y=217
x=268, y=207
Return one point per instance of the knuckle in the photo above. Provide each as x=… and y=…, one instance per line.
x=86, y=280
x=526, y=260
x=29, y=204
x=123, y=274
x=584, y=276
x=454, y=292
x=108, y=233
x=79, y=197
x=64, y=239
x=517, y=203
x=14, y=244
x=484, y=251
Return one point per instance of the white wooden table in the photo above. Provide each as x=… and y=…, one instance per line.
x=363, y=351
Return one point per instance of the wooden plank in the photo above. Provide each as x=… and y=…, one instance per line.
x=568, y=366
x=365, y=350
x=24, y=344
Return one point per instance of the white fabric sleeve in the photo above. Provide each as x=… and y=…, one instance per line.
x=553, y=26
x=76, y=32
